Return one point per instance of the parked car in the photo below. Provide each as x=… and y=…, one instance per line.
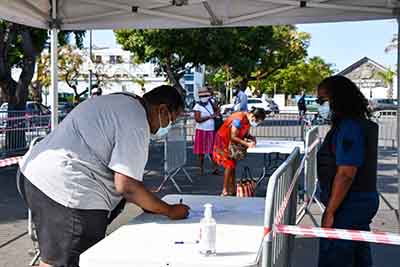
x=63, y=109
x=34, y=115
x=227, y=109
x=385, y=114
x=311, y=104
x=267, y=104
x=383, y=104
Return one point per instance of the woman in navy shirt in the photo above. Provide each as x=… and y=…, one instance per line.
x=347, y=166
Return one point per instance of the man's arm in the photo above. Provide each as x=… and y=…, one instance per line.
x=135, y=192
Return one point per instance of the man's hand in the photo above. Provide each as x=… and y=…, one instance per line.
x=327, y=220
x=178, y=212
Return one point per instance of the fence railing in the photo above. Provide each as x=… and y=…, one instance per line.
x=290, y=126
x=19, y=128
x=277, y=248
x=175, y=153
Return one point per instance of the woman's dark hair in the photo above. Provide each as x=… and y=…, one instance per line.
x=346, y=99
x=259, y=113
x=167, y=95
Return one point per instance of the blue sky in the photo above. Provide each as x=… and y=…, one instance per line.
x=338, y=43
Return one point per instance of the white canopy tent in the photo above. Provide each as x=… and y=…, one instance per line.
x=107, y=14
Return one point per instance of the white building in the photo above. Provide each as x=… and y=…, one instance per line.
x=124, y=75
x=121, y=73
x=365, y=73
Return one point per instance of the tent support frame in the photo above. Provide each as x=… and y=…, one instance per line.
x=398, y=114
x=54, y=67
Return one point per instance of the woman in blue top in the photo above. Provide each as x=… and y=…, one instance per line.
x=347, y=166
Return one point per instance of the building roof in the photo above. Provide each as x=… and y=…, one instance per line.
x=360, y=62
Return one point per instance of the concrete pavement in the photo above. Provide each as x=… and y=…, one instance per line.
x=14, y=243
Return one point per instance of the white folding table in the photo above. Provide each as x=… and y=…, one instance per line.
x=268, y=147
x=149, y=240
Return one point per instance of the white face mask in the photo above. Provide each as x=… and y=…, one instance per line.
x=162, y=131
x=204, y=99
x=254, y=123
x=324, y=110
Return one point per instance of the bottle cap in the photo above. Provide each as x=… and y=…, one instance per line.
x=208, y=210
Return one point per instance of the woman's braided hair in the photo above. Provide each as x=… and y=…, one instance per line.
x=346, y=99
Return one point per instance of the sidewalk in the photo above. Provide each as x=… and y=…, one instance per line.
x=13, y=214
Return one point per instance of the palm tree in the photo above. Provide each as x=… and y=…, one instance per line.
x=387, y=77
x=392, y=45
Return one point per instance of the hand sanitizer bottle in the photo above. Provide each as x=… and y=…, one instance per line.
x=208, y=227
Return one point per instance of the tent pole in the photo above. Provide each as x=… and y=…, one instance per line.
x=398, y=117
x=54, y=67
x=91, y=60
x=54, y=79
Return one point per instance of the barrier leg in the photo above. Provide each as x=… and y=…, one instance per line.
x=35, y=258
x=166, y=178
x=187, y=175
x=396, y=211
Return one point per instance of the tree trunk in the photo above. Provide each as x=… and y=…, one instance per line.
x=17, y=92
x=174, y=80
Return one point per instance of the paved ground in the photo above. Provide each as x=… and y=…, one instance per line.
x=15, y=245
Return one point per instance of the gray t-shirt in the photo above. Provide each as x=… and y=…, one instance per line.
x=75, y=164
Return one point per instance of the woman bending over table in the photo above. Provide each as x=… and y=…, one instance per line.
x=235, y=130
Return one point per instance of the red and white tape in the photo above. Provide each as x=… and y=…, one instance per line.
x=9, y=161
x=331, y=233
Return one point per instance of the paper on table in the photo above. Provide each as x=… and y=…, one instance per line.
x=198, y=214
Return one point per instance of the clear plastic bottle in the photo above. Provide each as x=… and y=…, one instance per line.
x=208, y=232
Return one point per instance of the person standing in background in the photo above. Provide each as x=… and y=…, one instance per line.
x=240, y=101
x=301, y=105
x=205, y=113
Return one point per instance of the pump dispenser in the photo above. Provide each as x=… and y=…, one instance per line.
x=208, y=227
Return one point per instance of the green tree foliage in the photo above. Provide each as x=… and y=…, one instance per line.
x=19, y=48
x=70, y=61
x=249, y=53
x=301, y=75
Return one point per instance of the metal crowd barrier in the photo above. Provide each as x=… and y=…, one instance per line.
x=312, y=143
x=387, y=131
x=175, y=154
x=19, y=128
x=278, y=247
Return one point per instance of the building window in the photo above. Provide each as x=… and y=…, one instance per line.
x=119, y=60
x=98, y=59
x=189, y=77
x=113, y=60
x=189, y=88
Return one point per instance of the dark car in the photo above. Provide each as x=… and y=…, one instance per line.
x=383, y=104
x=34, y=115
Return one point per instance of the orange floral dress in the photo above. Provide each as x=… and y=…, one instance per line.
x=223, y=138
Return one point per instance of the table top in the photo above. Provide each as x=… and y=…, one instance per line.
x=149, y=240
x=265, y=146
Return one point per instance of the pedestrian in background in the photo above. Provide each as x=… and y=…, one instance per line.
x=301, y=105
x=234, y=132
x=240, y=101
x=347, y=169
x=205, y=113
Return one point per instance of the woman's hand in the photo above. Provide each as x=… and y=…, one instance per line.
x=327, y=220
x=251, y=144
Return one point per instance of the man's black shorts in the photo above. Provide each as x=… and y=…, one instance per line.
x=63, y=233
